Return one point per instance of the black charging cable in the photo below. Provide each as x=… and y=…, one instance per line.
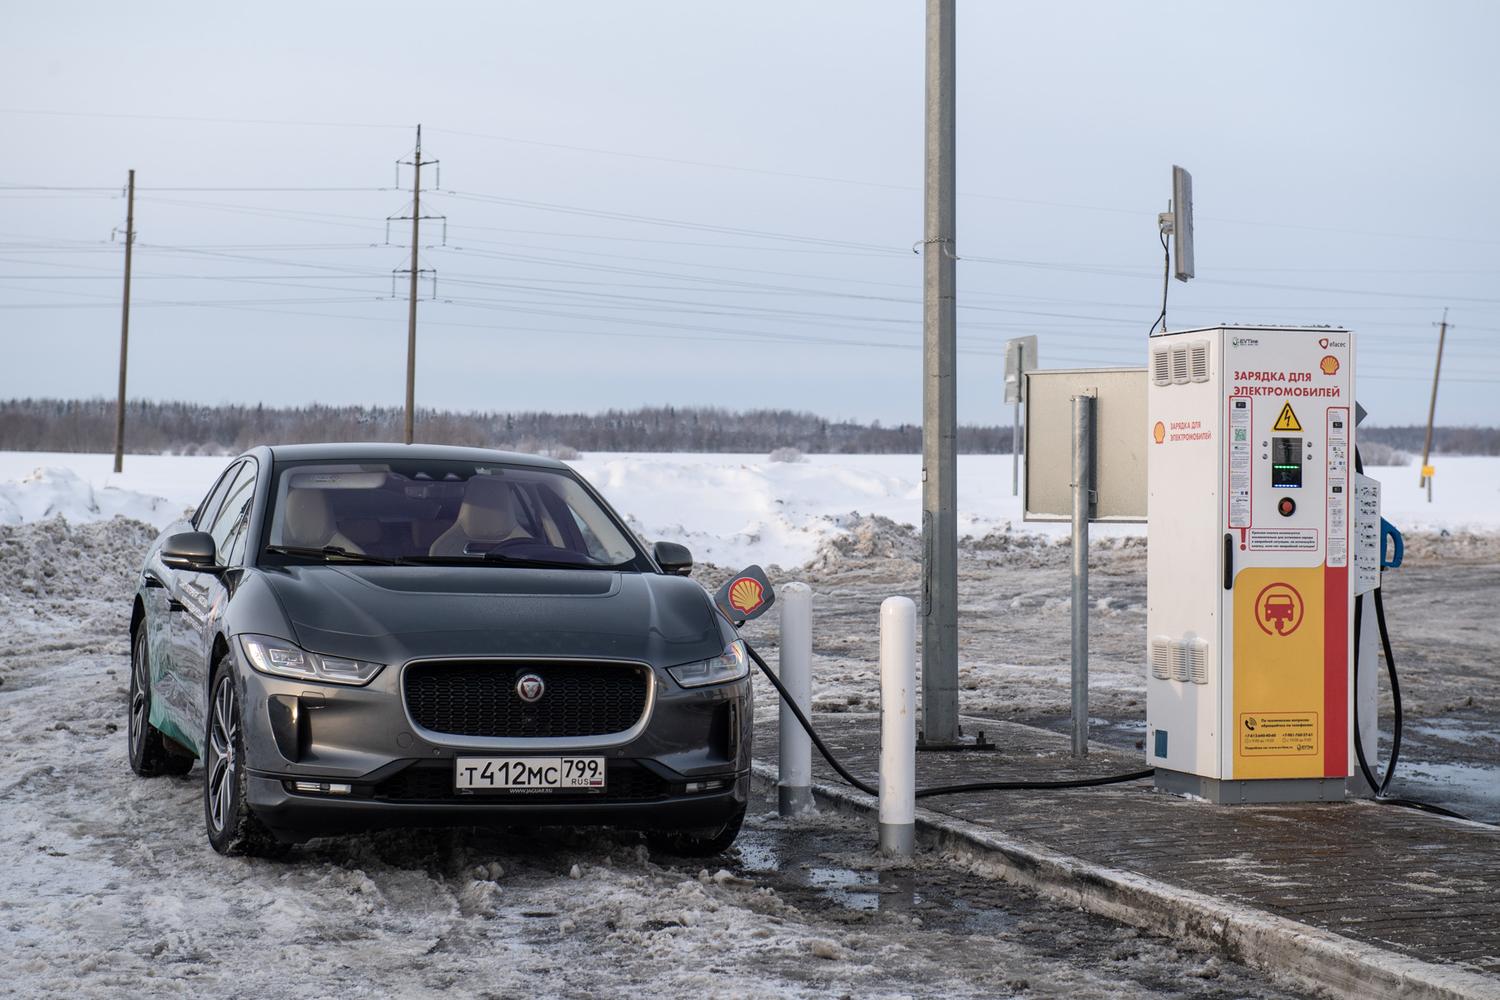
x=923, y=793
x=1381, y=787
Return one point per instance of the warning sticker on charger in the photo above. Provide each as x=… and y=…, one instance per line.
x=1283, y=539
x=1278, y=734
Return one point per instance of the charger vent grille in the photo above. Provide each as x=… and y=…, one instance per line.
x=1182, y=669
x=1198, y=660
x=1161, y=367
x=1180, y=374
x=1161, y=658
x=1198, y=360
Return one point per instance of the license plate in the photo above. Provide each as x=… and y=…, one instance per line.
x=529, y=774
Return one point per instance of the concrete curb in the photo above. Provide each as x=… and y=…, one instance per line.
x=1277, y=945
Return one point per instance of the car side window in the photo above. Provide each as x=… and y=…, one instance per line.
x=204, y=515
x=236, y=501
x=239, y=527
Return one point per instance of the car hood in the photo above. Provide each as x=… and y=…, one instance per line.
x=391, y=614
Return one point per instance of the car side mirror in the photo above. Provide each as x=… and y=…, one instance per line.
x=674, y=559
x=191, y=550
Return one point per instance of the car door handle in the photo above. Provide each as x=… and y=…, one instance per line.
x=174, y=604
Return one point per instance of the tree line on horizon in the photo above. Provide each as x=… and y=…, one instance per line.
x=151, y=427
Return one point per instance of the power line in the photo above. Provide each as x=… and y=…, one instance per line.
x=198, y=118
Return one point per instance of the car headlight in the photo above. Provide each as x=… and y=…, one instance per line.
x=730, y=665
x=281, y=658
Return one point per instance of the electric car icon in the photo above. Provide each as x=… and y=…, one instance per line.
x=1280, y=612
x=353, y=637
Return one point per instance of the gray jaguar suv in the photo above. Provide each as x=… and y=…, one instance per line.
x=360, y=636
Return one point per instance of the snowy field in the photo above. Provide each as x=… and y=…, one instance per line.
x=729, y=509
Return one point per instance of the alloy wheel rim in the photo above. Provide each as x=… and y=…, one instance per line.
x=138, y=688
x=222, y=766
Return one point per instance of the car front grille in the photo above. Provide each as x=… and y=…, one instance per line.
x=479, y=698
x=433, y=781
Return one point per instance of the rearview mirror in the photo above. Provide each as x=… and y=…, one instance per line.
x=674, y=559
x=190, y=550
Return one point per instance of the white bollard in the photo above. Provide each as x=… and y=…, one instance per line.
x=794, y=789
x=898, y=726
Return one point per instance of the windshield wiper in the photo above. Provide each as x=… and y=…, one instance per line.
x=502, y=559
x=332, y=550
x=510, y=560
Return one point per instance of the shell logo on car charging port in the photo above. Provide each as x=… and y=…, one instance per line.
x=745, y=594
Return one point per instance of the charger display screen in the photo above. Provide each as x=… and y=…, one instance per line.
x=1286, y=462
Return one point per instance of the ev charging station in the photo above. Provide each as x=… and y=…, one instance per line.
x=1250, y=587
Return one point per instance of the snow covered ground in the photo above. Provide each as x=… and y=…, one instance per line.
x=729, y=509
x=108, y=887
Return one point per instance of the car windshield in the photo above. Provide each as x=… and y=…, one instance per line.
x=441, y=511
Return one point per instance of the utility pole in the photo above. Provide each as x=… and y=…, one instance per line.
x=1437, y=370
x=125, y=324
x=939, y=393
x=416, y=163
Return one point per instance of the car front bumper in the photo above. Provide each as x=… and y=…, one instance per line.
x=296, y=816
x=686, y=766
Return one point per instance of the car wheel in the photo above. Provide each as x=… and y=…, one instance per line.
x=150, y=752
x=703, y=842
x=232, y=827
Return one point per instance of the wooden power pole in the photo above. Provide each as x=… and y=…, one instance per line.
x=125, y=324
x=416, y=163
x=411, y=308
x=1437, y=370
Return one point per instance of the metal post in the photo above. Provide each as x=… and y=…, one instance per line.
x=1083, y=508
x=1015, y=452
x=411, y=320
x=1437, y=369
x=125, y=324
x=939, y=393
x=794, y=789
x=898, y=727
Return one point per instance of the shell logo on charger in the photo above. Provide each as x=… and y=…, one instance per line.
x=746, y=595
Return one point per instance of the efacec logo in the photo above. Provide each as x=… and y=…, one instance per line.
x=1328, y=342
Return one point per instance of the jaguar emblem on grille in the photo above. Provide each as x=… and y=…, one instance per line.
x=530, y=688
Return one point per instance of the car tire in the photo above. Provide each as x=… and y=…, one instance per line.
x=702, y=842
x=232, y=828
x=150, y=753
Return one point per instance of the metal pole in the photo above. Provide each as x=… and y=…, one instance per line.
x=1432, y=406
x=794, y=787
x=125, y=324
x=898, y=726
x=411, y=315
x=1083, y=497
x=939, y=393
x=1015, y=452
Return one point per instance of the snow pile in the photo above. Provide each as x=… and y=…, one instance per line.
x=61, y=492
x=737, y=509
x=59, y=558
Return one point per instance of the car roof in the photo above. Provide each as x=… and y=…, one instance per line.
x=372, y=451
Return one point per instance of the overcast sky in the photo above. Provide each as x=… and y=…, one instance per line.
x=715, y=203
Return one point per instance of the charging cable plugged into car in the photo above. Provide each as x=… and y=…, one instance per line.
x=748, y=595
